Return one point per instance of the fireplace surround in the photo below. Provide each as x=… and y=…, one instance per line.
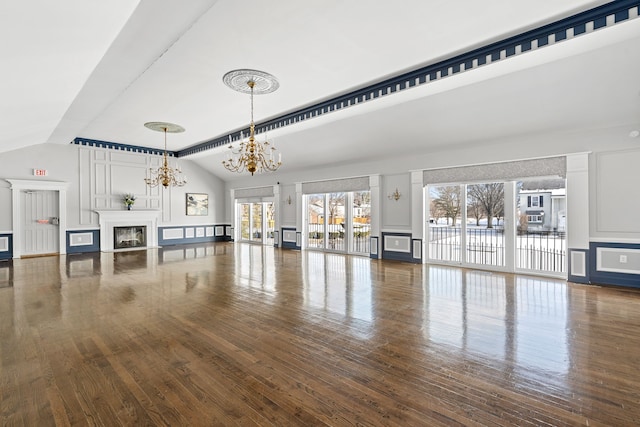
x=109, y=219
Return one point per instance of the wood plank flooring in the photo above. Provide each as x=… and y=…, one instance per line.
x=236, y=334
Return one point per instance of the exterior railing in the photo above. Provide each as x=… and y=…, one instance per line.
x=485, y=246
x=444, y=243
x=534, y=250
x=336, y=237
x=542, y=251
x=361, y=239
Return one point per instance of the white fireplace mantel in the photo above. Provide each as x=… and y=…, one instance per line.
x=121, y=218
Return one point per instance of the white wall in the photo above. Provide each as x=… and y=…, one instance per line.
x=615, y=201
x=61, y=162
x=396, y=214
x=100, y=177
x=613, y=173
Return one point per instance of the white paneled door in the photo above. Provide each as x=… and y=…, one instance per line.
x=40, y=218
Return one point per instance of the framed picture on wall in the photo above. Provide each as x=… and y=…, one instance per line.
x=197, y=204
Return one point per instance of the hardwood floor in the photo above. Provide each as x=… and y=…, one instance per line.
x=237, y=334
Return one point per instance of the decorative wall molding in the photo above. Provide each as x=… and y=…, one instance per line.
x=6, y=246
x=185, y=234
x=614, y=264
x=289, y=238
x=578, y=271
x=399, y=247
x=374, y=247
x=81, y=241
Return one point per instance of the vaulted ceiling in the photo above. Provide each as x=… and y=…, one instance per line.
x=100, y=70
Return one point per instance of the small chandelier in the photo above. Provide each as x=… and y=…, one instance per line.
x=164, y=174
x=251, y=155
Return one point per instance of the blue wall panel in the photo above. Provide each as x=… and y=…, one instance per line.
x=599, y=276
x=8, y=254
x=195, y=239
x=91, y=244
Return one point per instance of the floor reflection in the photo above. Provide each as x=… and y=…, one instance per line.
x=6, y=274
x=128, y=260
x=83, y=264
x=511, y=318
x=338, y=284
x=177, y=253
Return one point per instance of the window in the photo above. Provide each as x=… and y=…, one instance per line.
x=535, y=201
x=534, y=218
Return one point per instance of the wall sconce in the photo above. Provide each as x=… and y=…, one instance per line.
x=289, y=199
x=395, y=195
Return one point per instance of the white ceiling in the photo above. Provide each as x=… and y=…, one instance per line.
x=100, y=70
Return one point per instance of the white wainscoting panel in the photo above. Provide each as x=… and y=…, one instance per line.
x=189, y=233
x=616, y=180
x=172, y=233
x=199, y=231
x=578, y=264
x=288, y=235
x=80, y=239
x=219, y=230
x=618, y=260
x=417, y=249
x=374, y=246
x=209, y=231
x=397, y=244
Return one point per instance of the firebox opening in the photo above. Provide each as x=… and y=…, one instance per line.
x=129, y=237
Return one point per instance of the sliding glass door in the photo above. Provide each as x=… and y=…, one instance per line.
x=485, y=238
x=257, y=222
x=332, y=226
x=445, y=223
x=466, y=225
x=541, y=225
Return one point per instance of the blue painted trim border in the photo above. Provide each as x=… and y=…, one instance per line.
x=374, y=244
x=121, y=147
x=398, y=256
x=494, y=52
x=7, y=254
x=187, y=240
x=413, y=254
x=607, y=277
x=95, y=247
x=579, y=279
x=288, y=245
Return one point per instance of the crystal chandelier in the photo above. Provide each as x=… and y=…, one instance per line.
x=251, y=155
x=165, y=175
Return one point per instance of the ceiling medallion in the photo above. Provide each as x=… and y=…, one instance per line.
x=251, y=156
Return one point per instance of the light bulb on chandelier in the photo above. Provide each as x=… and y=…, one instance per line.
x=165, y=175
x=251, y=155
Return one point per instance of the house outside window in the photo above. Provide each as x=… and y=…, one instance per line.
x=535, y=201
x=534, y=218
